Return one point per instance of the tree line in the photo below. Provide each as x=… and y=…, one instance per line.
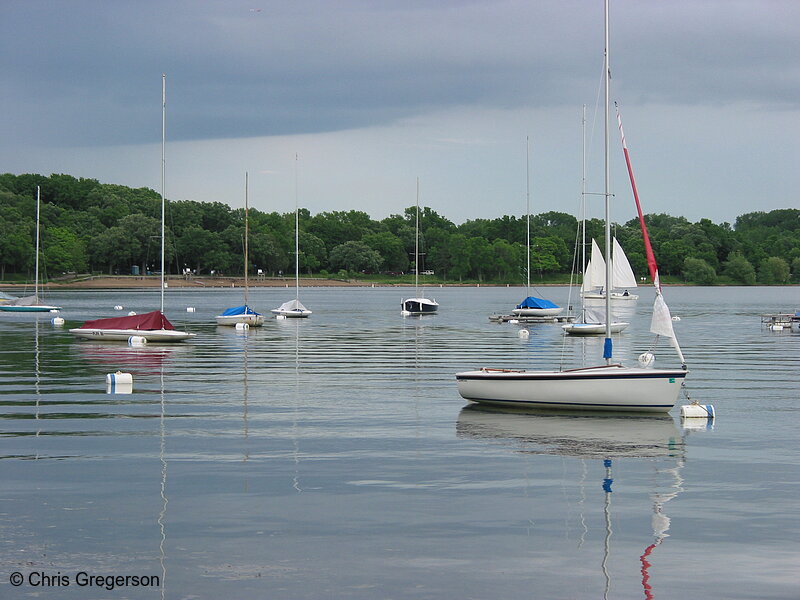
x=93, y=227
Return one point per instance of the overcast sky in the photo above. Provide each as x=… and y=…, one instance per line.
x=371, y=95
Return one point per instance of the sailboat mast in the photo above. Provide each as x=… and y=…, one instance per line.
x=416, y=249
x=296, y=235
x=163, y=171
x=528, y=212
x=36, y=267
x=246, y=235
x=607, y=352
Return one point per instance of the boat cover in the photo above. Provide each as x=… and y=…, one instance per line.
x=239, y=310
x=533, y=302
x=24, y=301
x=148, y=321
x=292, y=305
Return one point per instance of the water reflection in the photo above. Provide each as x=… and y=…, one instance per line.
x=591, y=437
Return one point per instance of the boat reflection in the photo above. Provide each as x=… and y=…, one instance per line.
x=143, y=360
x=590, y=436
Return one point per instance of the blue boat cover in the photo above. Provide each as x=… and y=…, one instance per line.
x=239, y=310
x=533, y=302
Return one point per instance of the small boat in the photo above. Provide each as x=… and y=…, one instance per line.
x=418, y=305
x=242, y=314
x=609, y=386
x=537, y=307
x=532, y=306
x=30, y=303
x=622, y=277
x=593, y=322
x=294, y=309
x=152, y=326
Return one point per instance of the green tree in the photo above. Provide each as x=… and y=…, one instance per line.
x=313, y=253
x=63, y=251
x=699, y=271
x=354, y=256
x=390, y=247
x=738, y=268
x=773, y=271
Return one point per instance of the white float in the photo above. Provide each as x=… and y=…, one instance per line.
x=57, y=321
x=137, y=340
x=697, y=411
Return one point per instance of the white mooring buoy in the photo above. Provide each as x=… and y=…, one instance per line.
x=137, y=340
x=132, y=313
x=190, y=309
x=242, y=326
x=697, y=411
x=119, y=377
x=57, y=321
x=523, y=333
x=118, y=307
x=646, y=359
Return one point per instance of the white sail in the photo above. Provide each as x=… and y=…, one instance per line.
x=621, y=273
x=594, y=276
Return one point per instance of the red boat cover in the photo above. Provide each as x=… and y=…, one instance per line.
x=148, y=321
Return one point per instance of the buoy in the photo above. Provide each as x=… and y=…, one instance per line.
x=242, y=326
x=137, y=340
x=280, y=316
x=118, y=307
x=697, y=411
x=57, y=321
x=513, y=320
x=119, y=378
x=776, y=327
x=190, y=309
x=132, y=313
x=676, y=318
x=646, y=359
x=54, y=310
x=523, y=333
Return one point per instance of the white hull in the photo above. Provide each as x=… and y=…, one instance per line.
x=232, y=320
x=32, y=308
x=605, y=388
x=291, y=314
x=419, y=306
x=614, y=296
x=122, y=335
x=537, y=312
x=593, y=328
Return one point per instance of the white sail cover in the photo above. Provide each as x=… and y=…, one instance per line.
x=621, y=273
x=295, y=305
x=595, y=274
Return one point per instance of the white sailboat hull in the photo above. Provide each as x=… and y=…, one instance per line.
x=232, y=320
x=537, y=312
x=291, y=313
x=593, y=328
x=605, y=388
x=419, y=306
x=122, y=335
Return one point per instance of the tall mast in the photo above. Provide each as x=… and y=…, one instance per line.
x=607, y=352
x=246, y=235
x=528, y=212
x=416, y=249
x=36, y=268
x=163, y=170
x=296, y=235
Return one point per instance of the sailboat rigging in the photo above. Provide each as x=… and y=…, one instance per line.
x=532, y=306
x=418, y=305
x=32, y=303
x=152, y=326
x=294, y=308
x=243, y=314
x=608, y=386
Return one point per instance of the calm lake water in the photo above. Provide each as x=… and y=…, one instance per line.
x=333, y=457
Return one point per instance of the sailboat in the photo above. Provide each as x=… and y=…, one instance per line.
x=532, y=306
x=31, y=303
x=418, y=305
x=152, y=326
x=608, y=386
x=622, y=278
x=243, y=313
x=294, y=308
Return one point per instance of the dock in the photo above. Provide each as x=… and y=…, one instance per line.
x=778, y=321
x=522, y=319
